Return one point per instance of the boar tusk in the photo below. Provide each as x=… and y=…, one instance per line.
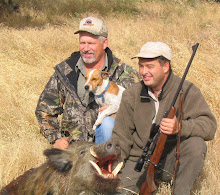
x=96, y=167
x=92, y=152
x=117, y=169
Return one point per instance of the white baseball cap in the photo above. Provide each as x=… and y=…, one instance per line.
x=94, y=26
x=153, y=50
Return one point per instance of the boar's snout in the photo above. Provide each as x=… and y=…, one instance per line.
x=113, y=147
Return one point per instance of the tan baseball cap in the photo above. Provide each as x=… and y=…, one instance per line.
x=94, y=26
x=153, y=50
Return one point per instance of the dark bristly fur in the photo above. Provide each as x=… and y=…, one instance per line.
x=65, y=172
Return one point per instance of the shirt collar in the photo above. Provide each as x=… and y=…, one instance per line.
x=80, y=66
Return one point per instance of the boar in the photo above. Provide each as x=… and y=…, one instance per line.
x=83, y=168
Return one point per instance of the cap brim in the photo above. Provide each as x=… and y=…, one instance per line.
x=91, y=32
x=134, y=57
x=77, y=32
x=142, y=55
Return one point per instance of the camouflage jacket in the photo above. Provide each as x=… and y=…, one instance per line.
x=60, y=111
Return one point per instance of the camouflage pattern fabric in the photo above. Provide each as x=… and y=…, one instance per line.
x=61, y=113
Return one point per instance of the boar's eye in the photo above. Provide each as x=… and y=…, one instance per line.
x=82, y=153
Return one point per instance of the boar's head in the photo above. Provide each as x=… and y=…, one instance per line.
x=89, y=167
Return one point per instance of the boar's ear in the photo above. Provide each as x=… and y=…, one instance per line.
x=59, y=159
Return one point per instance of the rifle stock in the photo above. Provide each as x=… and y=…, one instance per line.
x=148, y=187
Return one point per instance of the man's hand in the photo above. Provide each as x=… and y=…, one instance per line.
x=105, y=107
x=61, y=143
x=169, y=126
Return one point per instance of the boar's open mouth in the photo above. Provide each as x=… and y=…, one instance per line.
x=103, y=165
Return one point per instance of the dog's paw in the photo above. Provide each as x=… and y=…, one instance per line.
x=94, y=127
x=98, y=121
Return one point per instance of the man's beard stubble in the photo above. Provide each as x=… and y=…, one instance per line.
x=88, y=60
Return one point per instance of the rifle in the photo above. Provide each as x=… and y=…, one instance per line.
x=159, y=141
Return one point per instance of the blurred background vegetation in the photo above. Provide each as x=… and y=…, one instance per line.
x=38, y=13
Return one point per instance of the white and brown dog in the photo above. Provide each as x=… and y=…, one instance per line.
x=107, y=93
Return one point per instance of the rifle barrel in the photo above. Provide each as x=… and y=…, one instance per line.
x=194, y=48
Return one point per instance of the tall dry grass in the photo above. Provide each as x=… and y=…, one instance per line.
x=27, y=58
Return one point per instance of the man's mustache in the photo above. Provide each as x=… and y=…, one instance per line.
x=88, y=52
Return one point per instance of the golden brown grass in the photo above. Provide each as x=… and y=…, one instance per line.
x=27, y=58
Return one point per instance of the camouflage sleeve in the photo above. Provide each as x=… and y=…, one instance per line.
x=50, y=105
x=128, y=76
x=123, y=74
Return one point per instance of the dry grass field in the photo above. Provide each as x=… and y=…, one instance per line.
x=28, y=55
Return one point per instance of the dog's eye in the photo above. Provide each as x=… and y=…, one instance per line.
x=94, y=79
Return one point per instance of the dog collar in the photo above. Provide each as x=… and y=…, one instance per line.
x=103, y=93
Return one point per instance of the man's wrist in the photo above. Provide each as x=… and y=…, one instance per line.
x=53, y=137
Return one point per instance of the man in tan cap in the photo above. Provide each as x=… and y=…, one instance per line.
x=145, y=104
x=65, y=96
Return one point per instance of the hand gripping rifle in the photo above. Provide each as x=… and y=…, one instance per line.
x=159, y=139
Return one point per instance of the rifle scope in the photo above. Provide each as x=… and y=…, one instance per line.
x=139, y=165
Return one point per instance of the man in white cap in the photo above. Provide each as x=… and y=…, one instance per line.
x=65, y=96
x=145, y=104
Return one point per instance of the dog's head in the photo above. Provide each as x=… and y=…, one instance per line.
x=94, y=79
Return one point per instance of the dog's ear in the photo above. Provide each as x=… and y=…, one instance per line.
x=105, y=74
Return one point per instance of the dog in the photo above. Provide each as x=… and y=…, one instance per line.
x=107, y=93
